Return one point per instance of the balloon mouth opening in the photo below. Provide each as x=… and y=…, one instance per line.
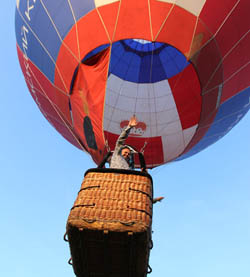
x=139, y=60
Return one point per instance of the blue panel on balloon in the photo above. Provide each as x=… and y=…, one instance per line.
x=32, y=47
x=145, y=69
x=65, y=21
x=174, y=61
x=159, y=72
x=155, y=61
x=133, y=73
x=141, y=61
x=81, y=8
x=229, y=114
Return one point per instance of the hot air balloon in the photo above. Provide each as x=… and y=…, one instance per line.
x=181, y=66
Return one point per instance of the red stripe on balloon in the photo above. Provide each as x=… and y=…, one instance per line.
x=52, y=103
x=236, y=60
x=234, y=28
x=37, y=80
x=178, y=29
x=91, y=34
x=186, y=91
x=215, y=12
x=159, y=12
x=109, y=15
x=153, y=151
x=236, y=84
x=133, y=20
x=208, y=113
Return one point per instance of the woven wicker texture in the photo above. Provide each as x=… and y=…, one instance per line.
x=113, y=201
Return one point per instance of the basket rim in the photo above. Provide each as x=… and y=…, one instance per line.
x=120, y=171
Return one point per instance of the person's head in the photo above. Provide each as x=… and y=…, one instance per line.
x=126, y=153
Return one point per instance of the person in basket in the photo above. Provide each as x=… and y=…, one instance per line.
x=122, y=153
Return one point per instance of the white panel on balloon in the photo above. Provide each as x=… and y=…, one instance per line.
x=111, y=98
x=129, y=89
x=114, y=83
x=167, y=116
x=125, y=103
x=189, y=133
x=170, y=128
x=143, y=105
x=173, y=146
x=162, y=88
x=145, y=91
x=165, y=103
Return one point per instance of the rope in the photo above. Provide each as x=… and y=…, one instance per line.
x=89, y=187
x=144, y=146
x=82, y=205
x=143, y=192
x=140, y=210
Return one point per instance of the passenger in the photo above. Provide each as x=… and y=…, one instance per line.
x=122, y=153
x=121, y=156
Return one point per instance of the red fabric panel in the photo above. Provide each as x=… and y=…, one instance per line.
x=201, y=131
x=133, y=21
x=109, y=15
x=87, y=99
x=159, y=12
x=52, y=116
x=215, y=80
x=153, y=153
x=187, y=94
x=66, y=63
x=91, y=34
x=214, y=13
x=179, y=29
x=209, y=101
x=45, y=105
x=60, y=79
x=208, y=114
x=205, y=62
x=236, y=84
x=238, y=58
x=236, y=25
x=201, y=36
x=44, y=86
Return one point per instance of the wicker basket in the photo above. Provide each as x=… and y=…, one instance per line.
x=113, y=201
x=111, y=219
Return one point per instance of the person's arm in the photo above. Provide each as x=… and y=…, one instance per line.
x=124, y=134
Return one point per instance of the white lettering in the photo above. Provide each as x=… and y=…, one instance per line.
x=25, y=46
x=29, y=8
x=24, y=32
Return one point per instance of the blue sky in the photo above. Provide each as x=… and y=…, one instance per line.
x=201, y=229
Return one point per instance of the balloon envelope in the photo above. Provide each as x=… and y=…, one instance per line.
x=182, y=67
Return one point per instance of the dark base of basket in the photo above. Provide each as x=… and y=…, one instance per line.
x=109, y=254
